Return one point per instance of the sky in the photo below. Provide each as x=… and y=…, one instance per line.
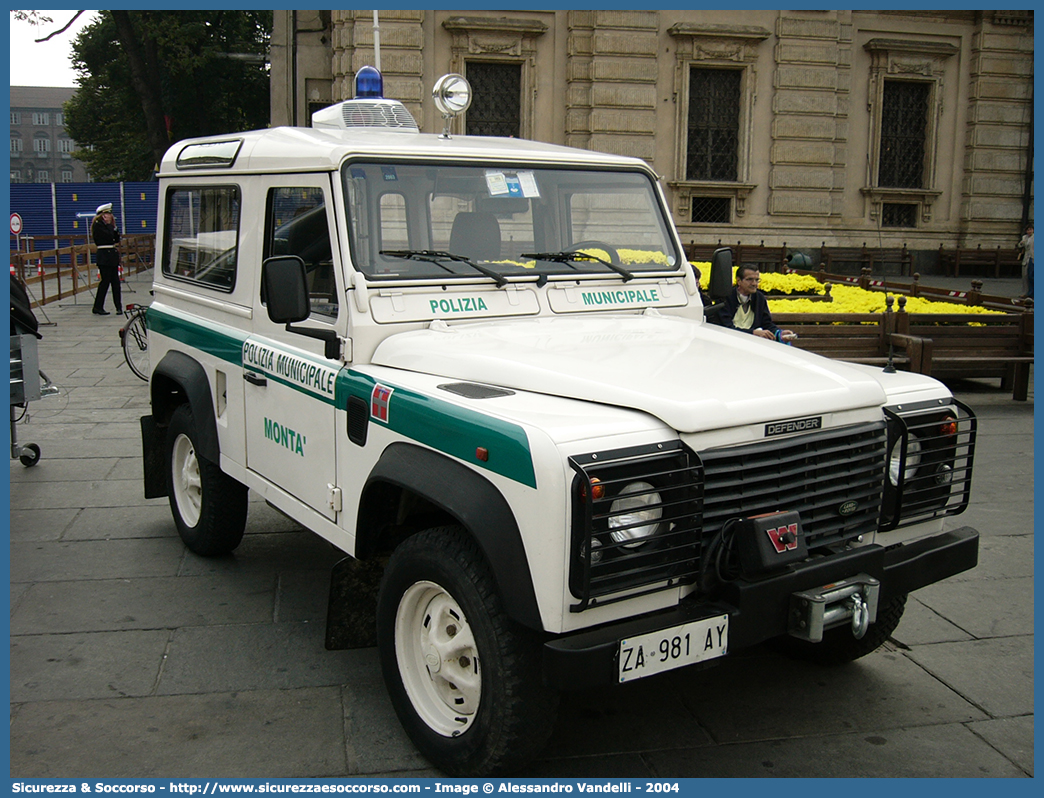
x=46, y=63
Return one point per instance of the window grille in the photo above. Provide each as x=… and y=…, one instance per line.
x=711, y=210
x=898, y=214
x=497, y=99
x=713, y=129
x=904, y=127
x=16, y=144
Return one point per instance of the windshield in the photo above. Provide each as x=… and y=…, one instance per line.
x=427, y=220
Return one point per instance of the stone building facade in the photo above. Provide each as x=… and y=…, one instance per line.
x=41, y=150
x=787, y=127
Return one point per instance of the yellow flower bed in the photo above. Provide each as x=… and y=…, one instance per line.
x=846, y=298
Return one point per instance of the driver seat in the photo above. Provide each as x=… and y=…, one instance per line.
x=475, y=235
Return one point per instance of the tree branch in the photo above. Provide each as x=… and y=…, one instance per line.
x=63, y=30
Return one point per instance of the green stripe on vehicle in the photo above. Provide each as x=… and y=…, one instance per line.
x=446, y=427
x=223, y=345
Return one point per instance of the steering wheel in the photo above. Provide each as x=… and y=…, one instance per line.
x=614, y=256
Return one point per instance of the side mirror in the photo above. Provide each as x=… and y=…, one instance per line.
x=284, y=289
x=721, y=274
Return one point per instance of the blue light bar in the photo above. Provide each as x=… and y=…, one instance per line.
x=369, y=84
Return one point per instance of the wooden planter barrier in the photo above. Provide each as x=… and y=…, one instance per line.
x=974, y=296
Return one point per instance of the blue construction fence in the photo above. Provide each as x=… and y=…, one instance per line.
x=52, y=213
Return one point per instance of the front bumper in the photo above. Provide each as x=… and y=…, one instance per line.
x=758, y=610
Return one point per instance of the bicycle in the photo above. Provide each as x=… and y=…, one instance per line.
x=134, y=337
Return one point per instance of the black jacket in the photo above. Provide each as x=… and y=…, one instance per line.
x=106, y=236
x=762, y=315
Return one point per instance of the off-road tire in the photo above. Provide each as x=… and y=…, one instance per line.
x=839, y=647
x=440, y=621
x=209, y=507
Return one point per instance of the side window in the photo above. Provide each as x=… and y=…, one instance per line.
x=297, y=225
x=202, y=237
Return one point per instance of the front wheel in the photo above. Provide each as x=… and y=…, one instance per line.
x=209, y=507
x=463, y=678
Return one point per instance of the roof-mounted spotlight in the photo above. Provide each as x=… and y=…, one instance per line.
x=369, y=84
x=452, y=96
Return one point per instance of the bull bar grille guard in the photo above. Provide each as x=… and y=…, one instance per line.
x=666, y=480
x=932, y=446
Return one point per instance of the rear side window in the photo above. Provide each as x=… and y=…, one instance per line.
x=202, y=235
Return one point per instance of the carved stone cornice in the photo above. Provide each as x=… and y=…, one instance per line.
x=750, y=33
x=720, y=43
x=517, y=26
x=901, y=57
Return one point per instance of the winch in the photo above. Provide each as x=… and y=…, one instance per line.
x=852, y=601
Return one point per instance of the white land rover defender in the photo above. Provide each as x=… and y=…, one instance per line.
x=482, y=365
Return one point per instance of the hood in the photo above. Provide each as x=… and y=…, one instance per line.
x=691, y=376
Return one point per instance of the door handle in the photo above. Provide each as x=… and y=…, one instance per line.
x=255, y=379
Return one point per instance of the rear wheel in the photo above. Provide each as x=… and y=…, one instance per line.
x=209, y=507
x=463, y=677
x=839, y=647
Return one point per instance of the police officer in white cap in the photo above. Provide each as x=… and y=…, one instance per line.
x=106, y=236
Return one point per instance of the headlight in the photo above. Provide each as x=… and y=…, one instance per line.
x=913, y=459
x=636, y=514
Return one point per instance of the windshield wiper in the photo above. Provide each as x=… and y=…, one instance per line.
x=567, y=257
x=434, y=256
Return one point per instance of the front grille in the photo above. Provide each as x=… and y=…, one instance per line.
x=819, y=475
x=833, y=478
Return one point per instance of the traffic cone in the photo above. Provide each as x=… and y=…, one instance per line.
x=14, y=272
x=119, y=270
x=39, y=268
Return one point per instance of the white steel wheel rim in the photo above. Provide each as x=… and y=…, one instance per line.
x=438, y=659
x=188, y=486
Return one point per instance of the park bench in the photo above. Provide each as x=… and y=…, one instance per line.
x=852, y=260
x=766, y=259
x=987, y=346
x=979, y=260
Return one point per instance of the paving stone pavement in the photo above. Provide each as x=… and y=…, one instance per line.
x=131, y=657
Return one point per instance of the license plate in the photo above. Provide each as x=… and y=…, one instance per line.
x=673, y=648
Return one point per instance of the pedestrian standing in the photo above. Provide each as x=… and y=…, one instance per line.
x=1026, y=245
x=106, y=236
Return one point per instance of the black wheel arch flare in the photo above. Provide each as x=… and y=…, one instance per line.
x=470, y=498
x=177, y=379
